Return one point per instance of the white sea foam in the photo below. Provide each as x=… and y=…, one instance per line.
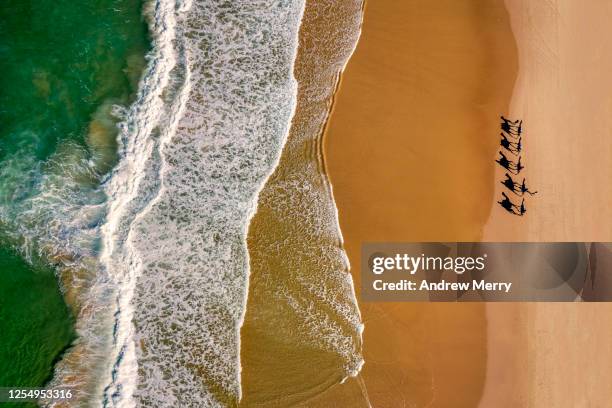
x=160, y=308
x=199, y=143
x=136, y=182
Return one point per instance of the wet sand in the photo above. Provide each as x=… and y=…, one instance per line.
x=562, y=94
x=301, y=331
x=409, y=149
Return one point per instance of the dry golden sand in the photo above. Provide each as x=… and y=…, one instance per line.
x=563, y=94
x=410, y=148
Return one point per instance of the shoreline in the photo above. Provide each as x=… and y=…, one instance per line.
x=420, y=74
x=302, y=330
x=57, y=149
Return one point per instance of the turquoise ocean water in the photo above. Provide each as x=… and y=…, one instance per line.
x=151, y=257
x=65, y=66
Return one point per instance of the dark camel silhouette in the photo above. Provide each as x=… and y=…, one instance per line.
x=508, y=205
x=510, y=184
x=515, y=187
x=514, y=168
x=504, y=162
x=512, y=147
x=512, y=127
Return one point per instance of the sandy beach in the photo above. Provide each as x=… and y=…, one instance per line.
x=410, y=159
x=188, y=190
x=562, y=95
x=410, y=149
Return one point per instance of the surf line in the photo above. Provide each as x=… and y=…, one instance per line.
x=136, y=172
x=323, y=168
x=253, y=208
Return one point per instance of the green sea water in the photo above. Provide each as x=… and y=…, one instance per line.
x=34, y=321
x=63, y=66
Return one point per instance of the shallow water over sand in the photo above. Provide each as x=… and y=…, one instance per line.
x=302, y=329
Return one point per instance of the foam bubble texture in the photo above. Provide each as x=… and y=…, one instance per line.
x=301, y=291
x=187, y=246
